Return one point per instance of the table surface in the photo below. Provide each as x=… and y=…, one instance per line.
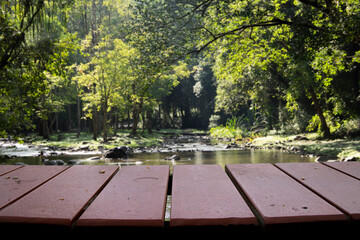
x=201, y=195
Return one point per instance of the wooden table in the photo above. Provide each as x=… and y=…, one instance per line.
x=202, y=195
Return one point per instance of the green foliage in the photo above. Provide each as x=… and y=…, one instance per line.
x=29, y=55
x=275, y=63
x=105, y=75
x=224, y=132
x=234, y=129
x=315, y=123
x=264, y=49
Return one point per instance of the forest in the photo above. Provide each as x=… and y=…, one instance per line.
x=235, y=67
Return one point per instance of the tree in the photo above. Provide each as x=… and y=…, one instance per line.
x=26, y=51
x=119, y=71
x=105, y=77
x=156, y=72
x=295, y=36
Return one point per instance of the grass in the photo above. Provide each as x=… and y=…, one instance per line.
x=339, y=148
x=121, y=138
x=225, y=132
x=69, y=140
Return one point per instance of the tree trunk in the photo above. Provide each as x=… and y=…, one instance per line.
x=136, y=114
x=143, y=122
x=186, y=117
x=324, y=127
x=148, y=121
x=57, y=122
x=78, y=117
x=44, y=129
x=135, y=120
x=85, y=19
x=52, y=122
x=116, y=120
x=128, y=119
x=95, y=124
x=159, y=118
x=105, y=122
x=69, y=116
x=95, y=118
x=93, y=23
x=105, y=128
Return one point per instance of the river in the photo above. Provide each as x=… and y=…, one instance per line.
x=193, y=153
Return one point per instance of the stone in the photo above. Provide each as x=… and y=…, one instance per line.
x=173, y=157
x=119, y=152
x=231, y=145
x=324, y=158
x=301, y=138
x=49, y=162
x=350, y=159
x=60, y=162
x=72, y=162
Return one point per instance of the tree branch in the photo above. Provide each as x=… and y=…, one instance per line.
x=215, y=37
x=20, y=38
x=271, y=23
x=316, y=5
x=205, y=3
x=30, y=22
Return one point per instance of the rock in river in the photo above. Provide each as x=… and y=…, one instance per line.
x=173, y=157
x=119, y=152
x=52, y=162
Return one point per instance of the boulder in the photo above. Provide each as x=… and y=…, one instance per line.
x=301, y=138
x=350, y=159
x=231, y=145
x=84, y=148
x=325, y=158
x=52, y=162
x=20, y=163
x=119, y=152
x=49, y=162
x=72, y=162
x=60, y=162
x=173, y=157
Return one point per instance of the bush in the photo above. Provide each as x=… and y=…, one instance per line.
x=225, y=132
x=233, y=129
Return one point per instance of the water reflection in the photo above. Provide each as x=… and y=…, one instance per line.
x=221, y=158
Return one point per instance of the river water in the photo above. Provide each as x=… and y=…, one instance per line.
x=194, y=154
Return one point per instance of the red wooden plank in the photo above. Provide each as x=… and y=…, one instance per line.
x=20, y=182
x=60, y=200
x=350, y=168
x=278, y=198
x=136, y=196
x=4, y=169
x=339, y=189
x=204, y=195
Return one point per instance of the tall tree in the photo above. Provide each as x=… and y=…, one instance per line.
x=250, y=35
x=26, y=51
x=105, y=76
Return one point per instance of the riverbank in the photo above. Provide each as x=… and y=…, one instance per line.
x=345, y=149
x=68, y=143
x=308, y=144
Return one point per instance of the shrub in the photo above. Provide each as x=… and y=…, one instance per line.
x=233, y=129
